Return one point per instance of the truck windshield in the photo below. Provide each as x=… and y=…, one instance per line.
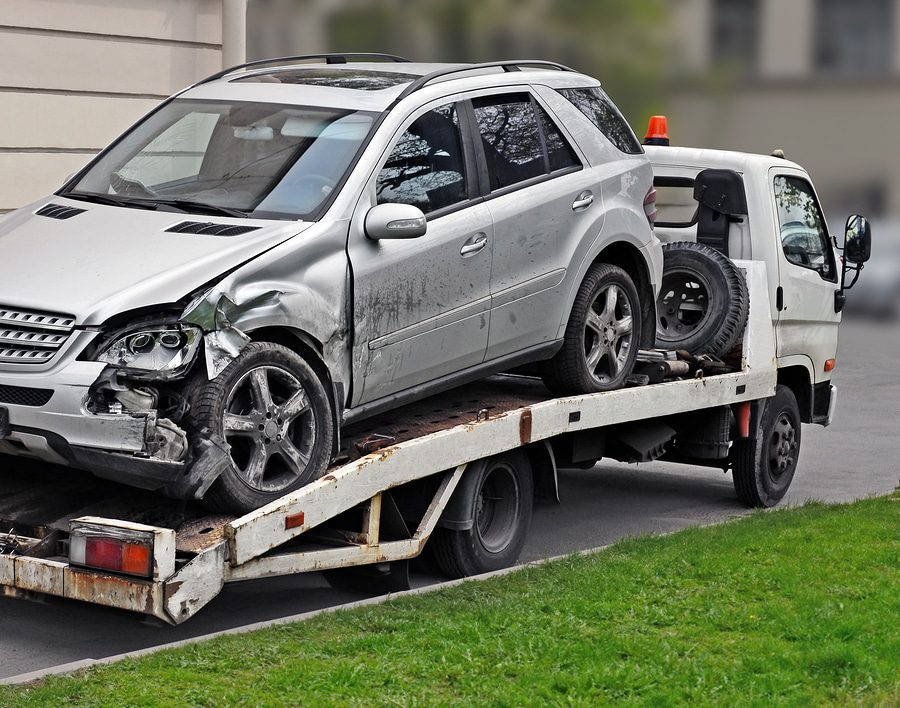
x=260, y=159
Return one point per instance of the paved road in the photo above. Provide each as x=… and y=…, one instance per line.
x=856, y=457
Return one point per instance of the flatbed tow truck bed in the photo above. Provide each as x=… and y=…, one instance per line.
x=426, y=446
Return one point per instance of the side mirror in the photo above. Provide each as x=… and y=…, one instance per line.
x=395, y=221
x=857, y=240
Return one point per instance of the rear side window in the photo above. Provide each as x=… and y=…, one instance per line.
x=602, y=112
x=520, y=140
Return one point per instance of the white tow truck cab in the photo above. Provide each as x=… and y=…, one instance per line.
x=462, y=469
x=765, y=208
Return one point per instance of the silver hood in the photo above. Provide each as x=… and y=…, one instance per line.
x=111, y=259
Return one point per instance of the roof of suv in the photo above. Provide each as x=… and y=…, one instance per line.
x=364, y=85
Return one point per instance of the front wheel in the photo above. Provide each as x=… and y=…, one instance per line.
x=763, y=466
x=602, y=335
x=272, y=410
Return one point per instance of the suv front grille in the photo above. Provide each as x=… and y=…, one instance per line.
x=21, y=396
x=32, y=337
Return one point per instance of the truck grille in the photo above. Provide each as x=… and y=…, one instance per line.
x=32, y=337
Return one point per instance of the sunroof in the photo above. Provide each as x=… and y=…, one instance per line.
x=356, y=79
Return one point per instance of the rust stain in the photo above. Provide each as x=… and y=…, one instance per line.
x=110, y=590
x=329, y=478
x=525, y=426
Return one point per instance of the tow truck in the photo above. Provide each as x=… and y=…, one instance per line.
x=461, y=470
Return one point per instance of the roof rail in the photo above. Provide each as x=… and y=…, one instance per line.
x=329, y=59
x=509, y=65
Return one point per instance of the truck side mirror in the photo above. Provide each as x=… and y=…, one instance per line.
x=395, y=221
x=857, y=239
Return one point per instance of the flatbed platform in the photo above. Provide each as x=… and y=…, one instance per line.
x=355, y=514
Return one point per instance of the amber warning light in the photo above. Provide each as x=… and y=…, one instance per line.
x=657, y=131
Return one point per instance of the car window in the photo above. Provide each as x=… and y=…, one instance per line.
x=520, y=140
x=804, y=237
x=426, y=168
x=559, y=152
x=269, y=160
x=176, y=153
x=602, y=112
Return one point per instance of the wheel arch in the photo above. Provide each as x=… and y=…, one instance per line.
x=628, y=257
x=798, y=379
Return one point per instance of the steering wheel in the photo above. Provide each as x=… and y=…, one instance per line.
x=797, y=254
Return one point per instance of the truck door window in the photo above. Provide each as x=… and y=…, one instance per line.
x=426, y=167
x=804, y=237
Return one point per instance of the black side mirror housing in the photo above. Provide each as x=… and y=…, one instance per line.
x=857, y=240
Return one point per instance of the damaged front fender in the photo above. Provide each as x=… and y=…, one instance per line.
x=215, y=313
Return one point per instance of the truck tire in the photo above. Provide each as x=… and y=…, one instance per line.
x=763, y=466
x=271, y=409
x=602, y=335
x=703, y=302
x=502, y=500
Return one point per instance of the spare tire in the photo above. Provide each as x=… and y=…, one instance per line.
x=703, y=302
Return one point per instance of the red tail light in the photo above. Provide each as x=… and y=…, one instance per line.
x=650, y=206
x=101, y=550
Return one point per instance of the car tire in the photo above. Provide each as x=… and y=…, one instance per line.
x=703, y=303
x=602, y=336
x=763, y=466
x=501, y=503
x=270, y=407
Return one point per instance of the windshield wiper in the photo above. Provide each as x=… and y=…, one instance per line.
x=111, y=199
x=188, y=205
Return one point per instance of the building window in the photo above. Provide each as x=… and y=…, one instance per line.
x=735, y=32
x=854, y=38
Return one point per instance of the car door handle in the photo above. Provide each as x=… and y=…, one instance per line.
x=473, y=245
x=585, y=199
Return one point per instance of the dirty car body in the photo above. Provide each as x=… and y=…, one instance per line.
x=240, y=211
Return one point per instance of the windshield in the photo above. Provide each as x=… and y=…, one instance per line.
x=258, y=159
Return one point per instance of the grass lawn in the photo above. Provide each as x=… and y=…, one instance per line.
x=794, y=607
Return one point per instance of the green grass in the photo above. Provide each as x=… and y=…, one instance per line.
x=794, y=607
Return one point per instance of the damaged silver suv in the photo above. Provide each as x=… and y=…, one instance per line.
x=280, y=250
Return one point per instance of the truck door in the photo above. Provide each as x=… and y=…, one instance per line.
x=808, y=273
x=421, y=306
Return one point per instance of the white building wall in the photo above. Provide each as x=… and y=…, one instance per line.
x=75, y=73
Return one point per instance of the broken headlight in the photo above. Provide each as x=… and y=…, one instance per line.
x=165, y=350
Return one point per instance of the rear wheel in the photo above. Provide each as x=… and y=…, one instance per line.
x=272, y=410
x=500, y=501
x=601, y=340
x=763, y=467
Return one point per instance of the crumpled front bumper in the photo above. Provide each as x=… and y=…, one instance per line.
x=63, y=431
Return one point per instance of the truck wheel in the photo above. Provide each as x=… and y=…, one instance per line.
x=601, y=340
x=763, y=466
x=272, y=410
x=703, y=303
x=501, y=503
